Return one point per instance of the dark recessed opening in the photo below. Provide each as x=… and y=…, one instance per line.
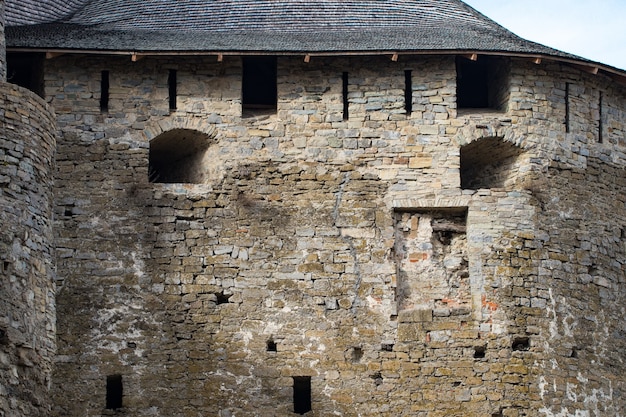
x=271, y=346
x=115, y=392
x=574, y=353
x=378, y=378
x=482, y=83
x=344, y=94
x=26, y=70
x=567, y=107
x=104, y=91
x=488, y=163
x=171, y=86
x=387, y=347
x=357, y=354
x=521, y=343
x=5, y=266
x=479, y=352
x=301, y=394
x=222, y=298
x=176, y=157
x=259, y=87
x=4, y=339
x=408, y=92
x=600, y=116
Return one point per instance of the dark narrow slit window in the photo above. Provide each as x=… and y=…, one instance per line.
x=171, y=84
x=115, y=392
x=259, y=86
x=104, y=91
x=344, y=92
x=301, y=394
x=600, y=127
x=566, y=107
x=408, y=92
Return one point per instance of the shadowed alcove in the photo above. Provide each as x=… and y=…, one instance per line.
x=176, y=156
x=490, y=163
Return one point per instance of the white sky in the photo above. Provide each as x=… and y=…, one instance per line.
x=592, y=29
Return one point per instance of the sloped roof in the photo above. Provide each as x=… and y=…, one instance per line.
x=261, y=26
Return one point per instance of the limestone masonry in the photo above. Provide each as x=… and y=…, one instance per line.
x=433, y=234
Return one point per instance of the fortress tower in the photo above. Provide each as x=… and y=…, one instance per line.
x=274, y=208
x=27, y=305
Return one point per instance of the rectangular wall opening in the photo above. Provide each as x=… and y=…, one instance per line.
x=115, y=392
x=566, y=107
x=344, y=95
x=26, y=70
x=259, y=85
x=600, y=126
x=408, y=92
x=104, y=91
x=171, y=86
x=301, y=394
x=482, y=83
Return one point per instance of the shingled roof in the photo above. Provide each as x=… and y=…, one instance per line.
x=262, y=26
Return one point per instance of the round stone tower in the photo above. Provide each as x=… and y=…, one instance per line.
x=27, y=309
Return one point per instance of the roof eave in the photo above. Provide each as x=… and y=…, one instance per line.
x=583, y=65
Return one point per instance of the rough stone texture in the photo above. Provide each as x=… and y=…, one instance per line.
x=27, y=304
x=3, y=58
x=295, y=253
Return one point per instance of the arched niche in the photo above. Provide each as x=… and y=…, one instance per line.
x=176, y=156
x=491, y=163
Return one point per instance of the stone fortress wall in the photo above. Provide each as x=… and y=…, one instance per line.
x=443, y=262
x=27, y=303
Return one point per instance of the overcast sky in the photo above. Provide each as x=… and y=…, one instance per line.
x=592, y=29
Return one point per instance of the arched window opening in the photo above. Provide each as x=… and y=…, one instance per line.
x=490, y=163
x=177, y=156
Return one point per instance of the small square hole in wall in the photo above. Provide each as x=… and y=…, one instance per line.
x=271, y=346
x=378, y=378
x=479, y=352
x=222, y=298
x=357, y=354
x=521, y=344
x=386, y=347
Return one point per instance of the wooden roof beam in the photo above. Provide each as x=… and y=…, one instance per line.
x=50, y=55
x=591, y=69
